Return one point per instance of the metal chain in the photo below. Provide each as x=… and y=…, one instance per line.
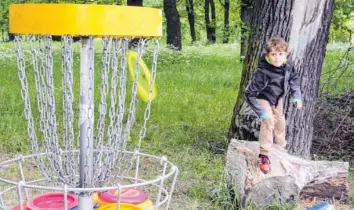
x=148, y=107
x=132, y=109
x=120, y=111
x=102, y=108
x=150, y=94
x=110, y=152
x=44, y=123
x=51, y=110
x=102, y=175
x=68, y=98
x=118, y=141
x=21, y=64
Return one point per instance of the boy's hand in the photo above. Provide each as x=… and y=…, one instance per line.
x=298, y=103
x=265, y=115
x=268, y=116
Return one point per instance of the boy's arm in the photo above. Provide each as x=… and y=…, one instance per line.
x=258, y=83
x=295, y=87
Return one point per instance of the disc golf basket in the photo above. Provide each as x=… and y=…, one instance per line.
x=86, y=138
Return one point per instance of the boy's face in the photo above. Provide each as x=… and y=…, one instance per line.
x=277, y=58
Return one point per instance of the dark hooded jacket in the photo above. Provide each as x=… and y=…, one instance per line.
x=270, y=83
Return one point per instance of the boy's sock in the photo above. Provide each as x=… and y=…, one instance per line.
x=264, y=163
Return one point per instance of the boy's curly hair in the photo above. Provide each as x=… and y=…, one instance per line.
x=276, y=43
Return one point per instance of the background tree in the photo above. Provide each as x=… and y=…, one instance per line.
x=226, y=21
x=191, y=19
x=246, y=16
x=210, y=24
x=305, y=25
x=173, y=27
x=138, y=3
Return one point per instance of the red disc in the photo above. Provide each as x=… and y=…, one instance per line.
x=129, y=195
x=23, y=205
x=52, y=201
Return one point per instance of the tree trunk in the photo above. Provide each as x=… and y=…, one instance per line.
x=174, y=37
x=213, y=21
x=246, y=17
x=305, y=25
x=207, y=19
x=210, y=25
x=191, y=19
x=226, y=22
x=138, y=3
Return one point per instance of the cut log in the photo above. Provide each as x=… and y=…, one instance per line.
x=288, y=177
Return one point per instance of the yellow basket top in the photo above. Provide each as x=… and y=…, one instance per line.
x=85, y=20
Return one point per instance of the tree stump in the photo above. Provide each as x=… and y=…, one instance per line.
x=289, y=176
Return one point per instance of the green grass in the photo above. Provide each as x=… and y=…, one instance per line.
x=197, y=89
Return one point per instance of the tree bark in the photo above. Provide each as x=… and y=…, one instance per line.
x=226, y=22
x=174, y=37
x=213, y=21
x=191, y=19
x=138, y=3
x=210, y=25
x=305, y=25
x=246, y=17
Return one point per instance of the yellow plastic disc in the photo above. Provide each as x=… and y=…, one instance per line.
x=146, y=205
x=144, y=79
x=85, y=20
x=123, y=206
x=97, y=199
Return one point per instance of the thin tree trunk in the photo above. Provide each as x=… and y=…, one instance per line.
x=226, y=22
x=207, y=19
x=191, y=19
x=210, y=25
x=246, y=17
x=174, y=37
x=213, y=21
x=305, y=25
x=138, y=3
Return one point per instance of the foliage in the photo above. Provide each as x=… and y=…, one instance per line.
x=342, y=22
x=234, y=14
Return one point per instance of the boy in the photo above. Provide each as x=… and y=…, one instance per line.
x=265, y=95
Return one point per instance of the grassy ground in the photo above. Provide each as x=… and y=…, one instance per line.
x=197, y=90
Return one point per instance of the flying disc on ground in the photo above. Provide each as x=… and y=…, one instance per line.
x=129, y=195
x=144, y=78
x=52, y=201
x=322, y=206
x=122, y=206
x=146, y=205
x=23, y=205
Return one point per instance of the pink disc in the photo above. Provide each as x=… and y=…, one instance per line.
x=52, y=201
x=129, y=195
x=23, y=205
